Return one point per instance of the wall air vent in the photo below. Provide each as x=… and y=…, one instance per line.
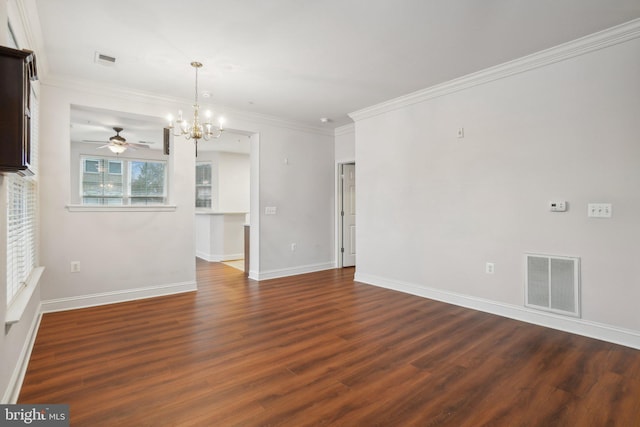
x=552, y=283
x=103, y=59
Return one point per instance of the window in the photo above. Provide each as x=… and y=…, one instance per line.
x=22, y=220
x=99, y=186
x=21, y=233
x=203, y=185
x=147, y=182
x=104, y=182
x=115, y=168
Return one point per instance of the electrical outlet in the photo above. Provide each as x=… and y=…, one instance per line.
x=75, y=266
x=293, y=247
x=489, y=268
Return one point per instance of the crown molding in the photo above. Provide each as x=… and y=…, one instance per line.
x=129, y=94
x=344, y=130
x=600, y=40
x=25, y=14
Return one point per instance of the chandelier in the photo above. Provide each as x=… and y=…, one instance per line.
x=195, y=129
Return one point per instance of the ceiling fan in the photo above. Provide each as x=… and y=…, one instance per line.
x=118, y=144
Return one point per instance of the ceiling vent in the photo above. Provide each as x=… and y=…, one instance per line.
x=103, y=59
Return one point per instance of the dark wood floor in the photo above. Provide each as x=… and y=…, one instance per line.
x=319, y=349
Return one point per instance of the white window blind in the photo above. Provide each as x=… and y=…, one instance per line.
x=21, y=227
x=22, y=224
x=203, y=185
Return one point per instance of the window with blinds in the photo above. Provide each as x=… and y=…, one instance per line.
x=22, y=232
x=203, y=185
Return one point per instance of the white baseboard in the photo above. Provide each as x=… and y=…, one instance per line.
x=616, y=335
x=219, y=257
x=91, y=300
x=12, y=392
x=285, y=272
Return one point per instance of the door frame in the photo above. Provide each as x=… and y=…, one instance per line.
x=339, y=207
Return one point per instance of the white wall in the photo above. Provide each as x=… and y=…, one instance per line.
x=230, y=178
x=121, y=252
x=432, y=208
x=345, y=144
x=295, y=173
x=233, y=182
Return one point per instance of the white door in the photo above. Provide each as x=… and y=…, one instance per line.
x=348, y=214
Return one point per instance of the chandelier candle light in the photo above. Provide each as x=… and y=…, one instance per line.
x=196, y=130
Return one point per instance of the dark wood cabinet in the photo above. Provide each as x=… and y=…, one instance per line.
x=17, y=70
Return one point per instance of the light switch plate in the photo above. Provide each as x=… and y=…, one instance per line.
x=599, y=210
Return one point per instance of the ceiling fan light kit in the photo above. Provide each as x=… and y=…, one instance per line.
x=117, y=149
x=195, y=129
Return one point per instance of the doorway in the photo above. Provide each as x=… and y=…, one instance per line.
x=347, y=214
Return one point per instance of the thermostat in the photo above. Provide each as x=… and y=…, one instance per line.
x=558, y=206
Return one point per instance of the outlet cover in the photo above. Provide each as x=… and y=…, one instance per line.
x=489, y=268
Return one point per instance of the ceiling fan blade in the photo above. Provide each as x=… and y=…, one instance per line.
x=95, y=141
x=134, y=145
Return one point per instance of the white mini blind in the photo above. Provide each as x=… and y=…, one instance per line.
x=22, y=221
x=20, y=233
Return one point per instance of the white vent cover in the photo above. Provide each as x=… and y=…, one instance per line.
x=552, y=283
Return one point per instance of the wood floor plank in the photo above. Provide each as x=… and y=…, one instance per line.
x=321, y=349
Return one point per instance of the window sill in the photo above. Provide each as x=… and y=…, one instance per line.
x=143, y=208
x=19, y=304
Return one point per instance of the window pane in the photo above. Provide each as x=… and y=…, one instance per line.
x=99, y=186
x=115, y=168
x=203, y=173
x=147, y=182
x=203, y=185
x=91, y=166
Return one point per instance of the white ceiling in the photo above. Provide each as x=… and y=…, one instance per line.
x=304, y=59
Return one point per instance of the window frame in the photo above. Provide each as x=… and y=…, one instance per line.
x=204, y=185
x=126, y=179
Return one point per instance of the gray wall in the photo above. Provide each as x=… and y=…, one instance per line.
x=433, y=208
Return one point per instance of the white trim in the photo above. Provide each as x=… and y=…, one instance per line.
x=14, y=386
x=16, y=309
x=25, y=13
x=292, y=271
x=123, y=208
x=219, y=257
x=230, y=113
x=345, y=129
x=609, y=37
x=92, y=300
x=616, y=335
